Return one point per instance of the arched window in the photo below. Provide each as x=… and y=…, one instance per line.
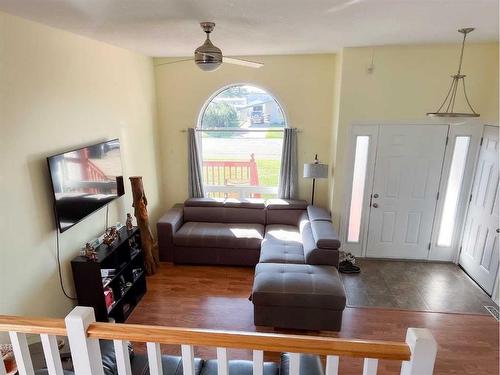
x=241, y=130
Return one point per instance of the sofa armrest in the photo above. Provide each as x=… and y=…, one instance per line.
x=167, y=225
x=316, y=213
x=324, y=235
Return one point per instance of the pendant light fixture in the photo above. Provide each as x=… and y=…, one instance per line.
x=447, y=108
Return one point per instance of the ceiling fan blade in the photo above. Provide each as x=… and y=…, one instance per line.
x=174, y=62
x=247, y=63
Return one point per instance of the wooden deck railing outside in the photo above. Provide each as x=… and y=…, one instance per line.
x=417, y=353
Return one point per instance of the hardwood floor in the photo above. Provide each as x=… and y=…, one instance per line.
x=217, y=298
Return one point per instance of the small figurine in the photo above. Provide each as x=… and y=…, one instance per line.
x=110, y=236
x=128, y=223
x=90, y=252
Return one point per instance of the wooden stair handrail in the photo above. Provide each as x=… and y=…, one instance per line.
x=48, y=326
x=217, y=338
x=252, y=340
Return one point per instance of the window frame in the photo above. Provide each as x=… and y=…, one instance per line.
x=226, y=87
x=474, y=131
x=199, y=129
x=356, y=130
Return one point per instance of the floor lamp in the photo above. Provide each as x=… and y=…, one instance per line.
x=315, y=170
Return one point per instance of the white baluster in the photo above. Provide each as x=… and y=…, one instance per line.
x=222, y=367
x=332, y=365
x=154, y=358
x=423, y=349
x=51, y=352
x=3, y=371
x=85, y=352
x=370, y=366
x=21, y=353
x=294, y=364
x=122, y=357
x=187, y=359
x=258, y=362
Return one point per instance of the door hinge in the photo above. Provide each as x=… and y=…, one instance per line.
x=429, y=247
x=447, y=139
x=470, y=198
x=481, y=143
x=437, y=196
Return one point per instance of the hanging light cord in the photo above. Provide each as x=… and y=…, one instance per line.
x=461, y=55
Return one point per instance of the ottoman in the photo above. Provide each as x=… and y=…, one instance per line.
x=298, y=296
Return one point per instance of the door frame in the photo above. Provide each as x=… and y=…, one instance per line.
x=449, y=254
x=495, y=296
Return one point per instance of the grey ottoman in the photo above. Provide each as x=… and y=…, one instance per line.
x=298, y=296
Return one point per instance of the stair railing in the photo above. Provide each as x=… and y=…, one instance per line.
x=417, y=354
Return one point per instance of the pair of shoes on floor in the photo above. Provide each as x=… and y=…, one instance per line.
x=347, y=267
x=347, y=264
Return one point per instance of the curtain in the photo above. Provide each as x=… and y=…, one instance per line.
x=195, y=177
x=288, y=181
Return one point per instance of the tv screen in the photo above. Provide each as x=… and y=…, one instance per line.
x=85, y=180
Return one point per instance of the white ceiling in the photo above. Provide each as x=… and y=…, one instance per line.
x=255, y=27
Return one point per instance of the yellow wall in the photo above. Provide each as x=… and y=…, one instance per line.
x=407, y=82
x=59, y=91
x=302, y=84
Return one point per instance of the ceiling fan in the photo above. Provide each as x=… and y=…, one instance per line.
x=208, y=57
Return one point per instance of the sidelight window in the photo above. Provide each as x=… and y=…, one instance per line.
x=453, y=188
x=358, y=188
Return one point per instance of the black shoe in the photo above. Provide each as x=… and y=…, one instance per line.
x=347, y=267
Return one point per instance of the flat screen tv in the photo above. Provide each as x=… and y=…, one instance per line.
x=84, y=180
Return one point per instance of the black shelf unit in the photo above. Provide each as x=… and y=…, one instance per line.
x=125, y=256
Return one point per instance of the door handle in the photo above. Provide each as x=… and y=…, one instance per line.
x=498, y=230
x=375, y=205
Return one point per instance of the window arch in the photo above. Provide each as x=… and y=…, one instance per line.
x=241, y=132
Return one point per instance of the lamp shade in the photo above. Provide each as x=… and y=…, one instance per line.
x=315, y=170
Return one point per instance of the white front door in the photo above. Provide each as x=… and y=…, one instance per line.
x=406, y=182
x=479, y=255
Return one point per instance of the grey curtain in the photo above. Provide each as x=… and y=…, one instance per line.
x=288, y=182
x=195, y=177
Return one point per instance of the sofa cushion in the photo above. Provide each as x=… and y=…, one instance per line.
x=298, y=285
x=238, y=367
x=286, y=204
x=313, y=254
x=282, y=244
x=172, y=365
x=204, y=202
x=199, y=234
x=205, y=214
x=324, y=235
x=309, y=364
x=316, y=213
x=286, y=234
x=256, y=203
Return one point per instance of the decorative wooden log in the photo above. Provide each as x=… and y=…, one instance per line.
x=149, y=245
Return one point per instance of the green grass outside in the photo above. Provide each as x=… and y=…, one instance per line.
x=274, y=135
x=269, y=171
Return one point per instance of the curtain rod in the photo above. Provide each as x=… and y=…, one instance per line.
x=240, y=130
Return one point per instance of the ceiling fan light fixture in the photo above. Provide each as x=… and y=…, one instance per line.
x=447, y=108
x=207, y=56
x=208, y=66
